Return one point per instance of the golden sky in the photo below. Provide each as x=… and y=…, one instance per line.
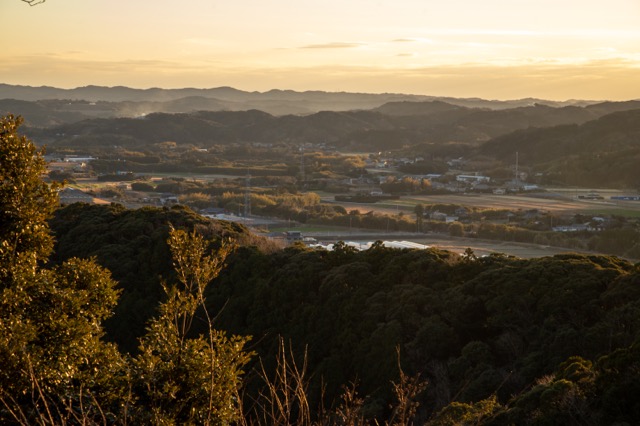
x=495, y=49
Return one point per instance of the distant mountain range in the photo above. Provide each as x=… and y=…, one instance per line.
x=106, y=102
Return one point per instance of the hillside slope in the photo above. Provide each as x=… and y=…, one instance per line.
x=479, y=330
x=389, y=127
x=605, y=151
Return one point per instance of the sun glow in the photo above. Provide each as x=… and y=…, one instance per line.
x=497, y=49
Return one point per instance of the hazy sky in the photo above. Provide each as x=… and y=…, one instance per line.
x=498, y=49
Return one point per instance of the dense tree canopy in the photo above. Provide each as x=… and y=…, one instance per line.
x=56, y=368
x=489, y=334
x=476, y=328
x=50, y=318
x=25, y=200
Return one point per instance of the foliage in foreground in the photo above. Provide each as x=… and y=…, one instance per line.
x=57, y=369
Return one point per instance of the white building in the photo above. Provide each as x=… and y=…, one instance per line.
x=473, y=178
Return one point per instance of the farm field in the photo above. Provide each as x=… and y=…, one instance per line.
x=556, y=202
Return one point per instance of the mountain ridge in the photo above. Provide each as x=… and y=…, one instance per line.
x=225, y=93
x=357, y=129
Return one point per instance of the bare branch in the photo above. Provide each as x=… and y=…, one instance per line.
x=33, y=2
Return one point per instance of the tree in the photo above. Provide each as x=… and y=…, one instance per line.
x=56, y=369
x=456, y=229
x=52, y=358
x=142, y=186
x=182, y=380
x=25, y=200
x=419, y=211
x=33, y=2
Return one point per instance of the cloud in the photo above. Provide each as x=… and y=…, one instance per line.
x=333, y=45
x=413, y=40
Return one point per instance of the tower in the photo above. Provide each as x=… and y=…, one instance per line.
x=247, y=196
x=302, y=177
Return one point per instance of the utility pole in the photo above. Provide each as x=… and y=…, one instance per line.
x=247, y=197
x=302, y=176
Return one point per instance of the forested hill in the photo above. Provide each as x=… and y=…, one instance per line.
x=606, y=150
x=500, y=340
x=388, y=127
x=542, y=341
x=131, y=244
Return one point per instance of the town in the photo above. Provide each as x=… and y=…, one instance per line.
x=327, y=195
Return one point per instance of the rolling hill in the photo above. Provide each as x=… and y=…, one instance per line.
x=602, y=151
x=388, y=127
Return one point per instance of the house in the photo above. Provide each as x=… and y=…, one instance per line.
x=71, y=195
x=77, y=159
x=481, y=187
x=438, y=216
x=473, y=178
x=462, y=211
x=456, y=162
x=293, y=236
x=168, y=199
x=432, y=176
x=212, y=211
x=533, y=214
x=571, y=228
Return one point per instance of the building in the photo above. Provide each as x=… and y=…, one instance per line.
x=473, y=178
x=293, y=236
x=72, y=195
x=77, y=159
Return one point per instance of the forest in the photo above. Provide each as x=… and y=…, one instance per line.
x=161, y=316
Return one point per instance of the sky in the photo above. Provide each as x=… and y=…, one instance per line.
x=493, y=49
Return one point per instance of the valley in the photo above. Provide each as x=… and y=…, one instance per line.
x=488, y=173
x=307, y=213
